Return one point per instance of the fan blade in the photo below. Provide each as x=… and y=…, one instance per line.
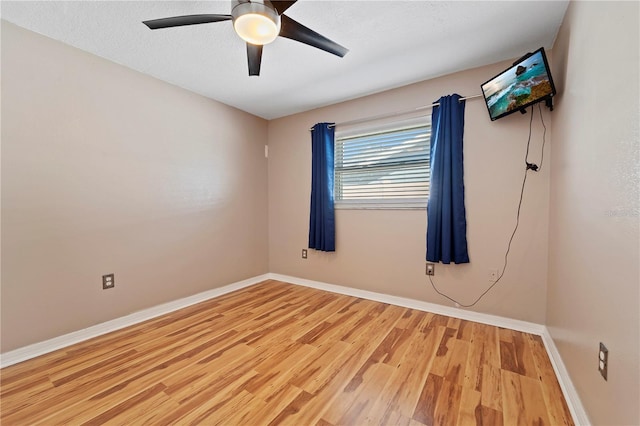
x=254, y=56
x=178, y=21
x=296, y=31
x=281, y=6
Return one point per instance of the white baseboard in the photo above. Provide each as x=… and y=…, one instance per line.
x=570, y=394
x=569, y=391
x=524, y=326
x=41, y=348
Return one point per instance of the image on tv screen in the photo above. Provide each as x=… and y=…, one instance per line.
x=521, y=85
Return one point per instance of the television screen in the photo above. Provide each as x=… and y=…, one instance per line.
x=528, y=81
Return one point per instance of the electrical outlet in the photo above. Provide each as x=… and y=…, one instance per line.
x=603, y=360
x=431, y=269
x=493, y=275
x=108, y=281
x=304, y=253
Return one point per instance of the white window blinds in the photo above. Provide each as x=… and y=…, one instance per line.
x=383, y=169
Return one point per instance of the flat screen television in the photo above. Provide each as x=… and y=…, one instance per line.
x=525, y=83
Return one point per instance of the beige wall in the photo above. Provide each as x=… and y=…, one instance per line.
x=594, y=277
x=107, y=170
x=384, y=251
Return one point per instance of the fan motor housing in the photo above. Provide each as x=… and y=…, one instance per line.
x=265, y=8
x=256, y=23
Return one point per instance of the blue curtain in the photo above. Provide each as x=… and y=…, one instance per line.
x=322, y=226
x=446, y=218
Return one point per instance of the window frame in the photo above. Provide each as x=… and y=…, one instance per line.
x=418, y=203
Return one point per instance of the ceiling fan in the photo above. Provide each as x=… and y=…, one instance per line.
x=258, y=22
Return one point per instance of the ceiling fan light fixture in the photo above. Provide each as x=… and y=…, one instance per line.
x=256, y=23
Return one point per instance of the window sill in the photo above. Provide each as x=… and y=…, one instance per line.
x=378, y=207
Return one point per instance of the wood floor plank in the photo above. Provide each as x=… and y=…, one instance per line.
x=508, y=359
x=410, y=319
x=403, y=392
x=269, y=384
x=556, y=405
x=515, y=354
x=108, y=343
x=413, y=371
x=443, y=353
x=491, y=388
x=456, y=368
x=465, y=330
x=491, y=344
x=505, y=335
x=397, y=419
x=227, y=413
x=230, y=366
x=523, y=403
x=323, y=361
x=426, y=406
x=524, y=357
x=288, y=415
x=454, y=323
x=102, y=398
x=281, y=354
x=368, y=340
x=476, y=358
x=221, y=390
x=469, y=406
x=438, y=320
x=341, y=324
x=393, y=347
x=122, y=409
x=265, y=410
x=488, y=417
x=448, y=404
x=351, y=406
x=362, y=346
x=146, y=413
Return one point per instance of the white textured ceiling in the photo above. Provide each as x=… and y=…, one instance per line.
x=391, y=43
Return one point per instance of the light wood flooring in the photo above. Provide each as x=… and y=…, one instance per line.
x=276, y=353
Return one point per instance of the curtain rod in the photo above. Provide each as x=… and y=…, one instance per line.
x=393, y=114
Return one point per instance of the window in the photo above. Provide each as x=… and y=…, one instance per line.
x=384, y=167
